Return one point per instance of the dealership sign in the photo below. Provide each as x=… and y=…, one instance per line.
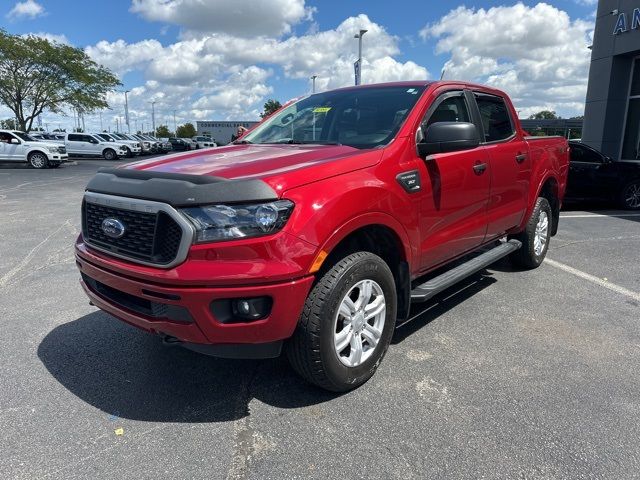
x=622, y=25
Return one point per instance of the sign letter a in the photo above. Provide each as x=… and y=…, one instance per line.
x=621, y=24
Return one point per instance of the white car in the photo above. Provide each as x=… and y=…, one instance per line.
x=18, y=146
x=133, y=147
x=204, y=142
x=86, y=145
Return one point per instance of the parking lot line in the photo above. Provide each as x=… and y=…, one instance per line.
x=599, y=215
x=593, y=279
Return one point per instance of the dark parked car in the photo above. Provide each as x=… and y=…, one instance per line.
x=179, y=144
x=595, y=176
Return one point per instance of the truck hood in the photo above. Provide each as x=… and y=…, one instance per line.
x=281, y=166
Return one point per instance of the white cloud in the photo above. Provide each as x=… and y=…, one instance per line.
x=240, y=18
x=222, y=76
x=26, y=9
x=52, y=37
x=536, y=54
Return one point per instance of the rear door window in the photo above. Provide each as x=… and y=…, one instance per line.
x=75, y=138
x=496, y=119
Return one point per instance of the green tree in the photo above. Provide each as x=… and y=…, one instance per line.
x=186, y=131
x=37, y=74
x=270, y=106
x=8, y=124
x=163, y=132
x=545, y=115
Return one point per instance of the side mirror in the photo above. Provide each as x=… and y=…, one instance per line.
x=441, y=137
x=606, y=160
x=14, y=141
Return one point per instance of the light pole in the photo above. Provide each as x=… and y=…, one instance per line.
x=153, y=116
x=101, y=121
x=175, y=126
x=313, y=79
x=126, y=110
x=359, y=62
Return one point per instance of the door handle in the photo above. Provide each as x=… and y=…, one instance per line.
x=479, y=168
x=521, y=157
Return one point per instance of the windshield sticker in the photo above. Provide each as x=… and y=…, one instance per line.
x=412, y=91
x=321, y=109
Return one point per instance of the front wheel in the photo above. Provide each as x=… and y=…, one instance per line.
x=535, y=237
x=38, y=160
x=630, y=195
x=109, y=154
x=346, y=325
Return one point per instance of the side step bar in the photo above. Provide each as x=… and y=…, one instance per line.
x=424, y=292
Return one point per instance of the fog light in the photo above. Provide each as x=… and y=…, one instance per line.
x=251, y=308
x=240, y=310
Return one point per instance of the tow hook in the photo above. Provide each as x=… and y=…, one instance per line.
x=169, y=341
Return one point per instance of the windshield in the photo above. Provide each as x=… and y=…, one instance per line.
x=105, y=137
x=361, y=118
x=24, y=136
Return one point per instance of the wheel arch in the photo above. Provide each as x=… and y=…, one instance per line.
x=378, y=234
x=549, y=189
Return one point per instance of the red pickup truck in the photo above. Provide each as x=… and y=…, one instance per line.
x=318, y=229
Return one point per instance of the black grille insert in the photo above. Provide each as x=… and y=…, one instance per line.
x=150, y=237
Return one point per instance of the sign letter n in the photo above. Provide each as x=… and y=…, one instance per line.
x=621, y=24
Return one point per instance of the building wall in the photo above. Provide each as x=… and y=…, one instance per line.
x=221, y=131
x=609, y=74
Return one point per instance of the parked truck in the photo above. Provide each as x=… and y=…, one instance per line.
x=315, y=232
x=17, y=146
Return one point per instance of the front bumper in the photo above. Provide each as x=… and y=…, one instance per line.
x=58, y=157
x=183, y=313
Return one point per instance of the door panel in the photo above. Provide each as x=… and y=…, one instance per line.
x=510, y=164
x=510, y=177
x=454, y=193
x=454, y=205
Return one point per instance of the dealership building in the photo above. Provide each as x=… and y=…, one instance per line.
x=221, y=131
x=612, y=109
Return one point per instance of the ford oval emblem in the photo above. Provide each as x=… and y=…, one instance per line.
x=113, y=228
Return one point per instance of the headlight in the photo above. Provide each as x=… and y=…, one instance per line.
x=53, y=149
x=227, y=222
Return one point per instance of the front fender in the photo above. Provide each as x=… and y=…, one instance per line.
x=329, y=210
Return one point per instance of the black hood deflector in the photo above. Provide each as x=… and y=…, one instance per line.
x=178, y=189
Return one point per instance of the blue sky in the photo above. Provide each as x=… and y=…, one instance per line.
x=188, y=58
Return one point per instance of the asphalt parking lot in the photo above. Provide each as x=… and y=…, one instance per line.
x=510, y=375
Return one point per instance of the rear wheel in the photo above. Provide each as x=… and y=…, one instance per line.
x=630, y=195
x=109, y=154
x=535, y=237
x=346, y=325
x=38, y=160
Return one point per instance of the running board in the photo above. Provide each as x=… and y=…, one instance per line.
x=427, y=290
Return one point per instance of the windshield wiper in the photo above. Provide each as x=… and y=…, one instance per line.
x=242, y=142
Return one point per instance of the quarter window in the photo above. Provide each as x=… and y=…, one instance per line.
x=75, y=138
x=495, y=116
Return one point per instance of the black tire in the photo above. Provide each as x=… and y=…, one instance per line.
x=311, y=350
x=526, y=257
x=110, y=154
x=129, y=152
x=38, y=160
x=630, y=195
